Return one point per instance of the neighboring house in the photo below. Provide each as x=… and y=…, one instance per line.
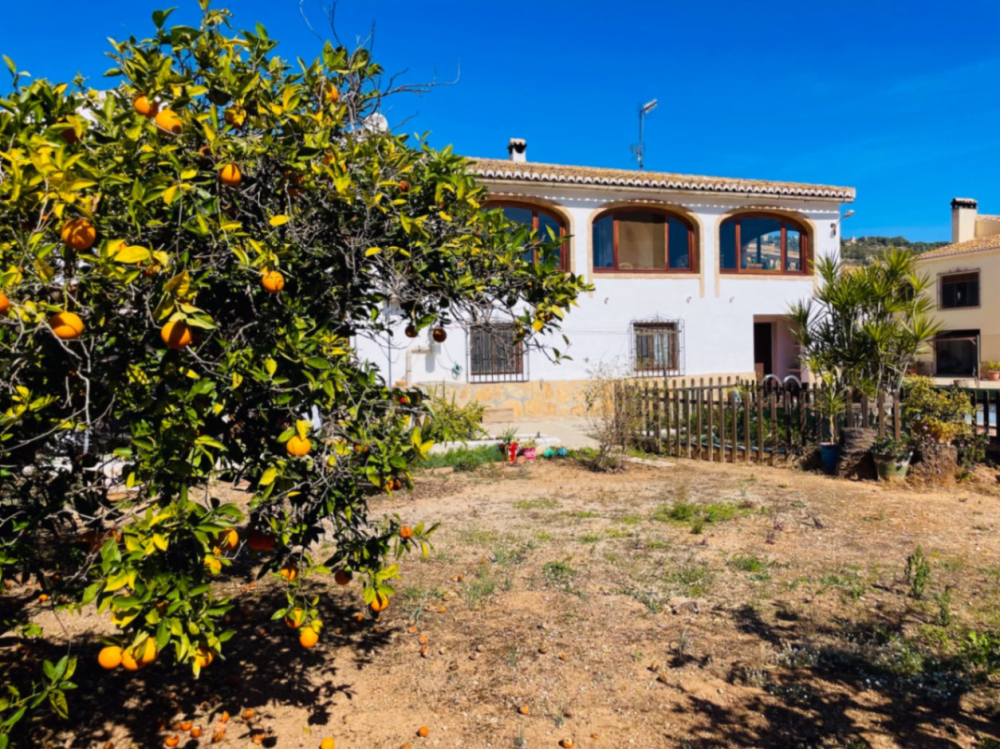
x=693, y=278
x=966, y=289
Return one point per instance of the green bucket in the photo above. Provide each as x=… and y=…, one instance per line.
x=890, y=469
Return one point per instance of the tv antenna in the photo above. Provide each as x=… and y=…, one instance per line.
x=645, y=109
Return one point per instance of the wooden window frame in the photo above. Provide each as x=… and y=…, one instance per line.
x=495, y=374
x=614, y=213
x=952, y=274
x=536, y=209
x=805, y=247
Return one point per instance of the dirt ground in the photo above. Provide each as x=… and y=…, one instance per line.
x=678, y=604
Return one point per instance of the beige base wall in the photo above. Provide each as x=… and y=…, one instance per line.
x=547, y=398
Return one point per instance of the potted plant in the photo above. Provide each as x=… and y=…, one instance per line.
x=892, y=458
x=992, y=369
x=831, y=404
x=529, y=449
x=508, y=444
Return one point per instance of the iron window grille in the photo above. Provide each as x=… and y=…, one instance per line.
x=658, y=348
x=495, y=355
x=959, y=290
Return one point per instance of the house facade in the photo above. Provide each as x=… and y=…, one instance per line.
x=966, y=292
x=693, y=277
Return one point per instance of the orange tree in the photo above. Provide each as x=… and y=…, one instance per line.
x=185, y=260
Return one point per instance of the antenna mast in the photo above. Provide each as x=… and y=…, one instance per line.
x=645, y=109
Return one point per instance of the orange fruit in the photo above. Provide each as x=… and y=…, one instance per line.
x=66, y=325
x=78, y=234
x=231, y=175
x=567, y=743
x=295, y=618
x=70, y=135
x=4, y=303
x=272, y=281
x=144, y=106
x=229, y=539
x=224, y=718
x=172, y=740
x=423, y=732
x=326, y=743
x=195, y=732
x=169, y=122
x=128, y=660
x=523, y=710
x=439, y=335
x=258, y=541
x=248, y=713
x=186, y=725
x=257, y=736
x=406, y=532
x=43, y=597
x=333, y=95
x=404, y=185
x=411, y=331
x=298, y=447
x=308, y=637
x=235, y=116
x=342, y=577
x=204, y=657
x=289, y=572
x=379, y=603
x=110, y=657
x=219, y=735
x=176, y=334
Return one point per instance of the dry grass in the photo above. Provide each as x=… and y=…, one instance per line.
x=685, y=605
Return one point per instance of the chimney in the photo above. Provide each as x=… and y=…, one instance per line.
x=516, y=148
x=963, y=219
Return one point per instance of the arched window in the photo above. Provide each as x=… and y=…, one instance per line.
x=761, y=243
x=538, y=220
x=631, y=240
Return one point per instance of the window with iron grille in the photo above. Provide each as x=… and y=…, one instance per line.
x=959, y=290
x=494, y=355
x=656, y=348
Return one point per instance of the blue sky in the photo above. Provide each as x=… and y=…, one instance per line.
x=899, y=100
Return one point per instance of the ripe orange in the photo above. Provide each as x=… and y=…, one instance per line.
x=70, y=135
x=411, y=331
x=195, y=732
x=224, y=718
x=4, y=303
x=128, y=660
x=186, y=725
x=326, y=743
x=333, y=95
x=219, y=735
x=110, y=657
x=231, y=175
x=298, y=447
x=79, y=234
x=272, y=281
x=235, y=116
x=295, y=618
x=260, y=541
x=342, y=577
x=248, y=713
x=308, y=637
x=423, y=732
x=523, y=710
x=439, y=335
x=169, y=122
x=203, y=657
x=172, y=740
x=404, y=185
x=145, y=107
x=289, y=572
x=66, y=325
x=176, y=334
x=145, y=653
x=379, y=603
x=567, y=743
x=229, y=539
x=406, y=532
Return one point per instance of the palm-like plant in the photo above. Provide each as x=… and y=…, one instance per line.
x=866, y=325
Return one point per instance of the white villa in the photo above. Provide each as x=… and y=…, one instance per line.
x=693, y=278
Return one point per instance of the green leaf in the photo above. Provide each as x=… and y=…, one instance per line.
x=132, y=254
x=269, y=476
x=317, y=362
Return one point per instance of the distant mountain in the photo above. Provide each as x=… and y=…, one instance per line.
x=858, y=250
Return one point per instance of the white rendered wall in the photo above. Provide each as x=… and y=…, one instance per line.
x=717, y=311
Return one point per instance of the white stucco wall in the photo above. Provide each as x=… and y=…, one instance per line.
x=717, y=310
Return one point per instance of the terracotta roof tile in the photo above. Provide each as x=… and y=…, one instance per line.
x=503, y=169
x=979, y=244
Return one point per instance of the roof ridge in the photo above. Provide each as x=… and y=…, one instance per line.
x=569, y=174
x=976, y=244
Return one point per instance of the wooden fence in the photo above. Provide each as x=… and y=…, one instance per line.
x=740, y=421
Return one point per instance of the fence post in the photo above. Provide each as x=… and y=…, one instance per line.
x=700, y=392
x=747, y=438
x=710, y=407
x=734, y=415
x=687, y=420
x=803, y=416
x=774, y=427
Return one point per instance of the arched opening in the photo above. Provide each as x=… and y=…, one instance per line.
x=643, y=240
x=544, y=222
x=763, y=243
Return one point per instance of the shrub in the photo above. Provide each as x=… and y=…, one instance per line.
x=918, y=573
x=614, y=411
x=446, y=421
x=934, y=414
